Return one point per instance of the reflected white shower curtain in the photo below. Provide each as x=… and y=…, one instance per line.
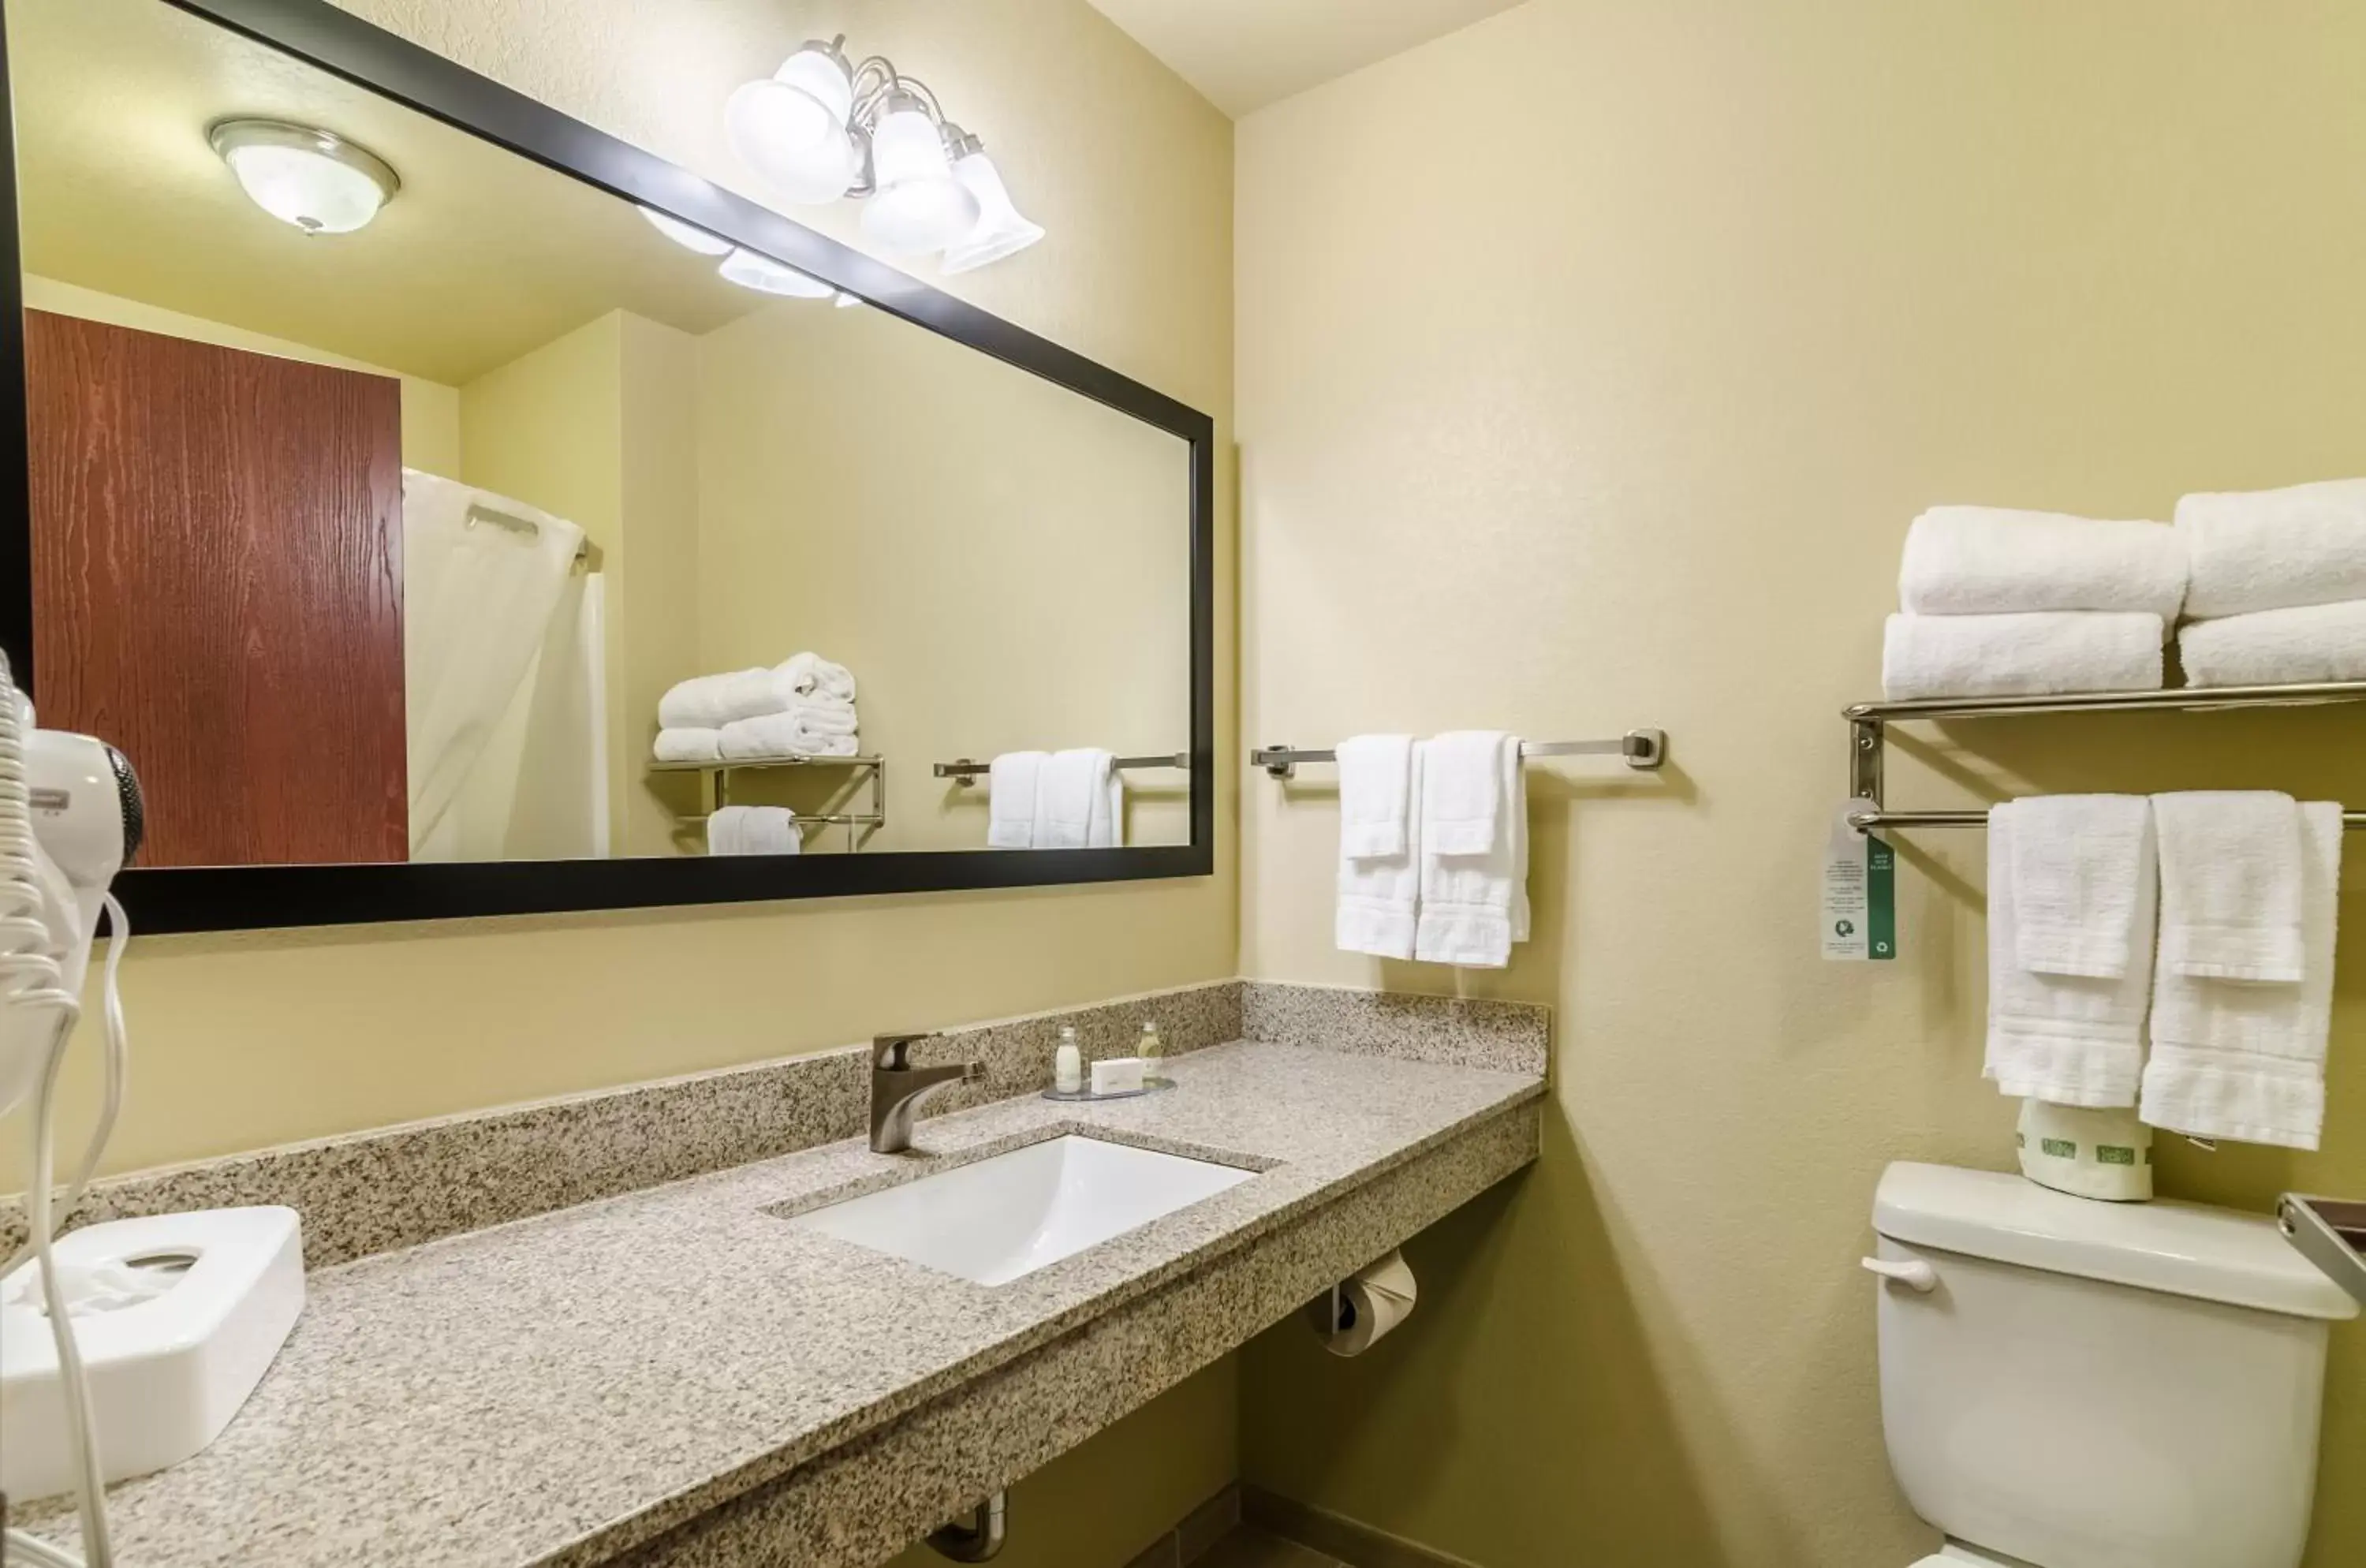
x=477, y=600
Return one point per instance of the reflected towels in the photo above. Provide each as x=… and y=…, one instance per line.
x=689, y=746
x=1984, y=560
x=710, y=702
x=1995, y=655
x=753, y=830
x=1061, y=800
x=807, y=728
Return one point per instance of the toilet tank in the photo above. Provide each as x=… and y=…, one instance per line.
x=2099, y=1385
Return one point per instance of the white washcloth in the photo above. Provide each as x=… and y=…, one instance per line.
x=811, y=675
x=1983, y=560
x=753, y=830
x=809, y=730
x=2230, y=885
x=2277, y=648
x=2245, y=1061
x=1995, y=655
x=2275, y=549
x=1065, y=794
x=1375, y=796
x=1380, y=895
x=1013, y=783
x=688, y=746
x=1474, y=907
x=1463, y=791
x=2078, y=863
x=710, y=702
x=2071, y=1040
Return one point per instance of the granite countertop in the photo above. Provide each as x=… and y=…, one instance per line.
x=575, y=1384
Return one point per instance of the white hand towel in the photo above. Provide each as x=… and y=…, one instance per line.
x=2070, y=1040
x=811, y=675
x=753, y=830
x=1380, y=895
x=2247, y=1060
x=803, y=732
x=1463, y=791
x=1375, y=796
x=1065, y=794
x=1474, y=907
x=688, y=746
x=710, y=702
x=2230, y=885
x=1012, y=783
x=1995, y=655
x=2275, y=549
x=1107, y=829
x=2277, y=648
x=2078, y=862
x=1981, y=560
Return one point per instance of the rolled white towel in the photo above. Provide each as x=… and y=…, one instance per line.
x=2277, y=648
x=2275, y=549
x=811, y=675
x=1982, y=561
x=1995, y=655
x=689, y=746
x=806, y=731
x=710, y=702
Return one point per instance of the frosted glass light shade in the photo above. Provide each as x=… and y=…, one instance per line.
x=687, y=235
x=314, y=179
x=919, y=206
x=1000, y=230
x=765, y=275
x=790, y=127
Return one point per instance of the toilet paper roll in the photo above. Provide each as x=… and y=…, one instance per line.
x=1366, y=1306
x=2102, y=1153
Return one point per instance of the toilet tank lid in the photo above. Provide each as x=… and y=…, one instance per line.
x=2183, y=1249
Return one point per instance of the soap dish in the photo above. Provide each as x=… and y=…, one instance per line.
x=1086, y=1096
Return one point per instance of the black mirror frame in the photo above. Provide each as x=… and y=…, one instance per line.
x=248, y=898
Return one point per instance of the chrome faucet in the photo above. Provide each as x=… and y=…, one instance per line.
x=896, y=1087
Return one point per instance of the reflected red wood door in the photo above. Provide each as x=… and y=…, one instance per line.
x=218, y=587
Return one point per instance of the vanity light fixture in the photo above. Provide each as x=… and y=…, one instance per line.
x=689, y=236
x=314, y=179
x=822, y=127
x=761, y=273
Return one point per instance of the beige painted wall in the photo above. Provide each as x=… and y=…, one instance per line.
x=1613, y=411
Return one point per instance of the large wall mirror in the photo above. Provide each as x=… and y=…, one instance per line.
x=533, y=525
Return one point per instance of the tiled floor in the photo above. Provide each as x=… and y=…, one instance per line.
x=1250, y=1548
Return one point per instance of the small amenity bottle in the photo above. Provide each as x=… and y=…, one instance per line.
x=1068, y=1064
x=1152, y=1051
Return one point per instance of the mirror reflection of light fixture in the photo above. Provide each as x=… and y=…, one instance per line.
x=687, y=235
x=819, y=129
x=762, y=274
x=314, y=179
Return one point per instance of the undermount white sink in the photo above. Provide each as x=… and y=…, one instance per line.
x=1003, y=1217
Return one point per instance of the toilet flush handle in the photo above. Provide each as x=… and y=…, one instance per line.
x=1912, y=1273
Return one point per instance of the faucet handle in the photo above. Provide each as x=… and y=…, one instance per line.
x=887, y=1051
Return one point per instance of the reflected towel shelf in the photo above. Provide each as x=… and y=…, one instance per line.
x=714, y=789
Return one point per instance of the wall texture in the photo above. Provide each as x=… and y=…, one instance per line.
x=1612, y=411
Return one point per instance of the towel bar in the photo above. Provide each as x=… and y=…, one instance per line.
x=964, y=770
x=1642, y=749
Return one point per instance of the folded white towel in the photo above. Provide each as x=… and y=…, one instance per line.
x=2078, y=862
x=710, y=702
x=1379, y=895
x=1474, y=907
x=1463, y=791
x=2275, y=549
x=1013, y=783
x=811, y=675
x=688, y=746
x=1375, y=796
x=1995, y=655
x=2230, y=885
x=803, y=732
x=1064, y=795
x=1107, y=829
x=2277, y=648
x=2246, y=1061
x=1982, y=561
x=2068, y=1039
x=753, y=830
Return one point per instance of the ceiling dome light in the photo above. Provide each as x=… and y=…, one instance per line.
x=689, y=236
x=765, y=275
x=314, y=179
x=790, y=127
x=1000, y=231
x=919, y=206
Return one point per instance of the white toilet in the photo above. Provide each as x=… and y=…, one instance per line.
x=2067, y=1383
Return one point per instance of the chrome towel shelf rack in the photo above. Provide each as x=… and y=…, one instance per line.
x=964, y=771
x=1642, y=749
x=714, y=789
x=1869, y=729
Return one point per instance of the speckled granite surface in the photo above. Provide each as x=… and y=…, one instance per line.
x=1506, y=1037
x=576, y=1384
x=397, y=1187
